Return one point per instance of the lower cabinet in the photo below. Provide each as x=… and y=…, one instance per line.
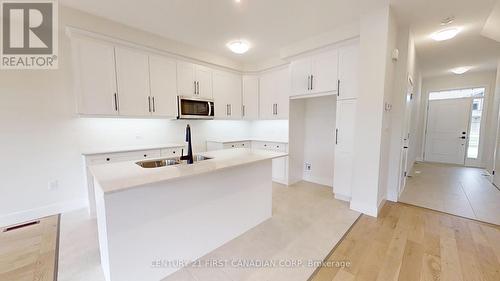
x=280, y=165
x=344, y=139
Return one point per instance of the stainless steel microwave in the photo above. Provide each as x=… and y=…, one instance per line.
x=195, y=108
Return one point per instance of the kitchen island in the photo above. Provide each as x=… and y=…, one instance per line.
x=152, y=221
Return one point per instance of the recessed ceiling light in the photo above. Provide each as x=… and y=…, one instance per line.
x=445, y=34
x=461, y=70
x=238, y=46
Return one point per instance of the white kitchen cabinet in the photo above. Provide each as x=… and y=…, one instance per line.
x=194, y=80
x=227, y=95
x=280, y=165
x=163, y=83
x=95, y=77
x=348, y=72
x=315, y=74
x=274, y=92
x=344, y=139
x=132, y=76
x=250, y=97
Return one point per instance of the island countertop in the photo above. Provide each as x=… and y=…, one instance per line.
x=121, y=176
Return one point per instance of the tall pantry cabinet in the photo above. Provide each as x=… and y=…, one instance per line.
x=345, y=120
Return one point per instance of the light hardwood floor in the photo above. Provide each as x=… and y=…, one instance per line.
x=409, y=243
x=29, y=253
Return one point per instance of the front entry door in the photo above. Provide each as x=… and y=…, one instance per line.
x=447, y=127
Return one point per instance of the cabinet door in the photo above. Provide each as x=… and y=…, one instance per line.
x=204, y=79
x=279, y=170
x=227, y=95
x=300, y=73
x=95, y=77
x=185, y=79
x=163, y=81
x=132, y=71
x=282, y=93
x=266, y=96
x=345, y=124
x=348, y=72
x=325, y=72
x=250, y=97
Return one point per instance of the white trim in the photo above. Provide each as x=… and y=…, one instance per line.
x=362, y=208
x=342, y=197
x=44, y=211
x=319, y=180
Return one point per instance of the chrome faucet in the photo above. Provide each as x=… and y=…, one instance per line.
x=189, y=156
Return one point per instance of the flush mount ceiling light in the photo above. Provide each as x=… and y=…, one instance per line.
x=461, y=70
x=445, y=34
x=238, y=46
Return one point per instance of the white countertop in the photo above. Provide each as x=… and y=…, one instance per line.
x=226, y=140
x=120, y=176
x=131, y=148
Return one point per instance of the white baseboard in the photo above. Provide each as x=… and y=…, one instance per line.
x=40, y=212
x=280, y=181
x=342, y=197
x=362, y=208
x=318, y=180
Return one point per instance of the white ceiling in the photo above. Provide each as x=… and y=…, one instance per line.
x=209, y=24
x=274, y=24
x=469, y=48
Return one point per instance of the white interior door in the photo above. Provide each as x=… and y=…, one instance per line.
x=447, y=127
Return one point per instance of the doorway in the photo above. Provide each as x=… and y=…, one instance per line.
x=453, y=130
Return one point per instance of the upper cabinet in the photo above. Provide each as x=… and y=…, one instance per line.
x=274, y=91
x=95, y=77
x=227, y=95
x=163, y=84
x=250, y=97
x=194, y=80
x=348, y=72
x=315, y=74
x=132, y=76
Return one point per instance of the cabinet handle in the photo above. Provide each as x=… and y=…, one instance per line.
x=276, y=109
x=149, y=103
x=230, y=109
x=336, y=136
x=154, y=105
x=198, y=87
x=194, y=87
x=312, y=81
x=116, y=101
x=243, y=110
x=309, y=82
x=338, y=88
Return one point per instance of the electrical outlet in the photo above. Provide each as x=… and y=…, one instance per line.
x=307, y=166
x=54, y=185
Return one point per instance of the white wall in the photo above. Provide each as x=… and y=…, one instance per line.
x=270, y=129
x=496, y=111
x=42, y=138
x=468, y=80
x=319, y=139
x=404, y=113
x=376, y=39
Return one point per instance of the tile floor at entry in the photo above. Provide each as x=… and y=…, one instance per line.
x=307, y=223
x=457, y=190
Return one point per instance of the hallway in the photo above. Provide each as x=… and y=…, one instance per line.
x=457, y=190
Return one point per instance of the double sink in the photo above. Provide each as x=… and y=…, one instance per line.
x=147, y=164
